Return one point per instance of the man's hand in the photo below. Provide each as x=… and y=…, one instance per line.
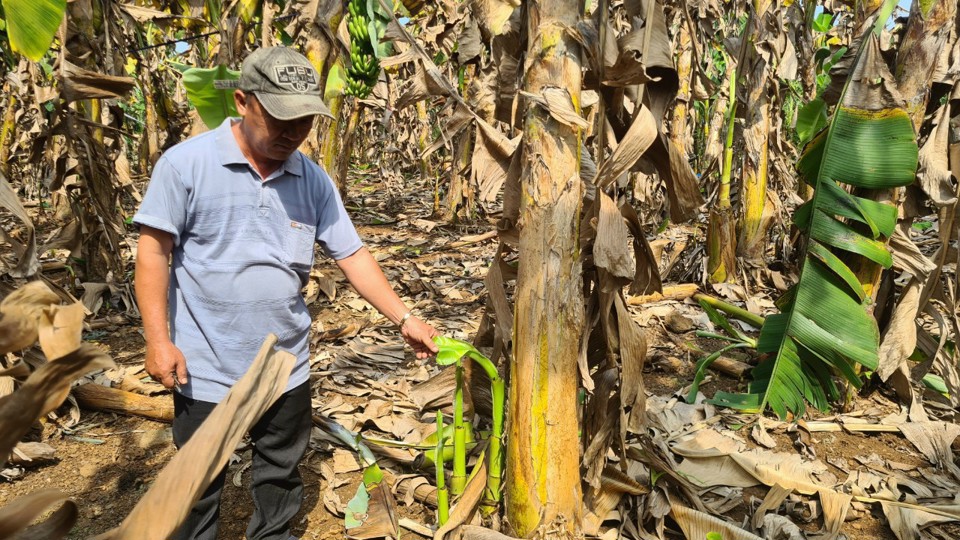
x=419, y=335
x=166, y=364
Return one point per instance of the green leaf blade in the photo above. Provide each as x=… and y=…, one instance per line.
x=32, y=25
x=871, y=149
x=210, y=91
x=828, y=230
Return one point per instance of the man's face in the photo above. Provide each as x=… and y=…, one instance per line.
x=266, y=136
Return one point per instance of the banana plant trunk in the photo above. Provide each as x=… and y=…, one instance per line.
x=423, y=138
x=722, y=227
x=323, y=148
x=346, y=148
x=330, y=146
x=678, y=121
x=459, y=200
x=8, y=129
x=928, y=29
x=543, y=495
x=755, y=219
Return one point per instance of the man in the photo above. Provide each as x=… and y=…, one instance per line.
x=238, y=209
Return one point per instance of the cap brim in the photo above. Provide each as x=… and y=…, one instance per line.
x=289, y=107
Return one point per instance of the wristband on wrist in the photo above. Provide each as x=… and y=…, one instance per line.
x=404, y=319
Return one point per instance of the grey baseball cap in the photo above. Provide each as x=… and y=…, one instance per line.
x=285, y=83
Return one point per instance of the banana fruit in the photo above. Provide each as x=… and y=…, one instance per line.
x=364, y=70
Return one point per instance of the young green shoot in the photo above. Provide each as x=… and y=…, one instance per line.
x=443, y=502
x=452, y=351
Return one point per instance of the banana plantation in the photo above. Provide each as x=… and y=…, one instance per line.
x=694, y=267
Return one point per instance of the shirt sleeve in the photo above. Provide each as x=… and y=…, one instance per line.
x=164, y=206
x=335, y=231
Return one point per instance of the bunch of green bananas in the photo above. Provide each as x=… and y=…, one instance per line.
x=364, y=67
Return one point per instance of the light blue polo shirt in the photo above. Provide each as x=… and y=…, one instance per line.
x=243, y=249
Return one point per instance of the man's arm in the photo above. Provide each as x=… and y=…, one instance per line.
x=164, y=361
x=363, y=272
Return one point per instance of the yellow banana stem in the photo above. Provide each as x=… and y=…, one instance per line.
x=7, y=130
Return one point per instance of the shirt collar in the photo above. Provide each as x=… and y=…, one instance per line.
x=230, y=153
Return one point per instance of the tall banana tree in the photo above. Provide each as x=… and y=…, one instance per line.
x=760, y=52
x=543, y=454
x=824, y=325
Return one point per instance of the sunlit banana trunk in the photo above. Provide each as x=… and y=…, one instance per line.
x=324, y=56
x=543, y=451
x=722, y=228
x=7, y=129
x=423, y=141
x=330, y=146
x=150, y=142
x=323, y=145
x=679, y=120
x=713, y=130
x=459, y=199
x=346, y=148
x=927, y=33
x=754, y=220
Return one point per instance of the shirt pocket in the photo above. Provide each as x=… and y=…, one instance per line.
x=299, y=241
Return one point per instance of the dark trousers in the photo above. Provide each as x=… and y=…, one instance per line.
x=280, y=439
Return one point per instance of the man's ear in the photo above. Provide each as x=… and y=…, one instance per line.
x=240, y=100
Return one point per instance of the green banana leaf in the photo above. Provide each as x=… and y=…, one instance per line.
x=824, y=327
x=247, y=9
x=811, y=118
x=214, y=10
x=31, y=25
x=210, y=91
x=377, y=26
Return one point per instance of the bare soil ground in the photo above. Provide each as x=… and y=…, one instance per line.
x=108, y=461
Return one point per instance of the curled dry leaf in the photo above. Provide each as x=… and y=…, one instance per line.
x=61, y=330
x=612, y=236
x=43, y=391
x=934, y=174
x=934, y=440
x=772, y=501
x=835, y=505
x=696, y=524
x=776, y=527
x=145, y=14
x=187, y=475
x=642, y=134
x=557, y=101
x=20, y=315
x=80, y=84
x=907, y=520
x=600, y=504
x=16, y=517
x=492, y=15
x=759, y=433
